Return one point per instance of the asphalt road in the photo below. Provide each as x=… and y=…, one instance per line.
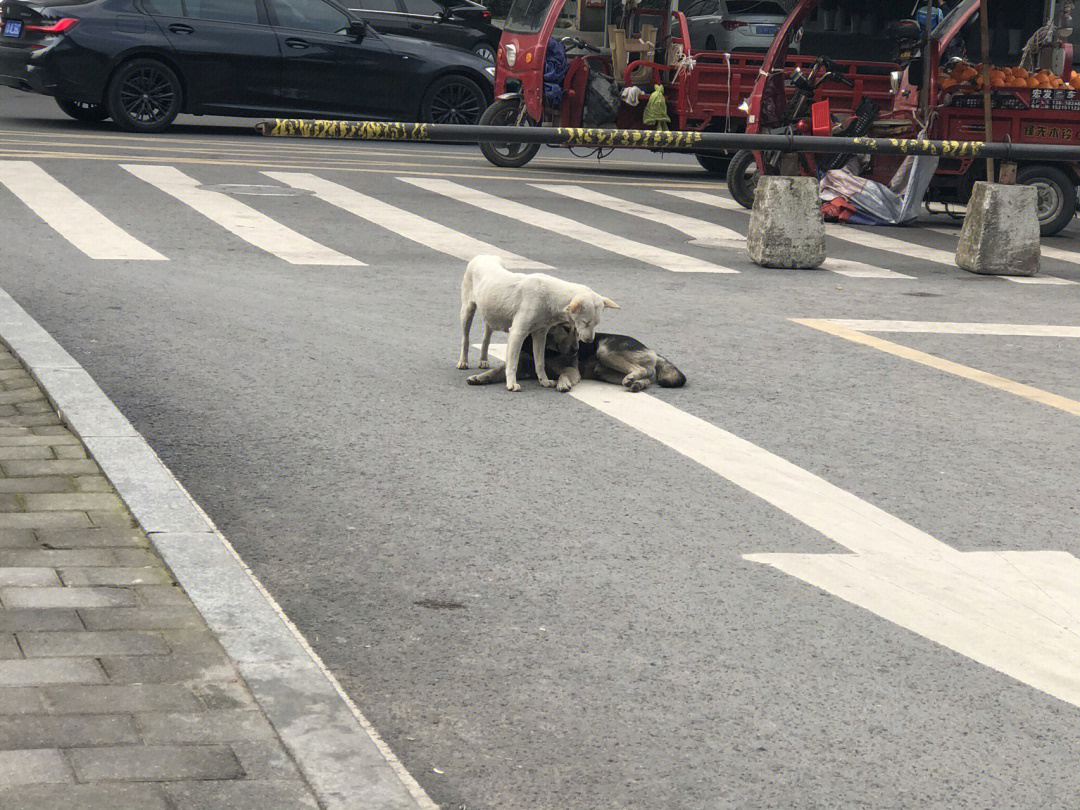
x=536, y=605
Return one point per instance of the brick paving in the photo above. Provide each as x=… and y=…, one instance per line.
x=114, y=694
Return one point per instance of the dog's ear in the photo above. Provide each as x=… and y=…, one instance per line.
x=574, y=307
x=609, y=304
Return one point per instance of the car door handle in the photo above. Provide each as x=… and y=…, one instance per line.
x=299, y=44
x=179, y=28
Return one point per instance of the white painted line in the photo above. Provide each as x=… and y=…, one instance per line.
x=571, y=229
x=339, y=752
x=1047, y=251
x=404, y=223
x=70, y=216
x=959, y=328
x=1017, y=612
x=694, y=228
x=843, y=267
x=242, y=220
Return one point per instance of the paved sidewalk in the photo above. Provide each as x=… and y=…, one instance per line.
x=114, y=693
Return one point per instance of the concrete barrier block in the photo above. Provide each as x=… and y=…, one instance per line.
x=1000, y=236
x=786, y=228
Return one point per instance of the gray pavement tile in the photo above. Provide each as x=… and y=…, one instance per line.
x=69, y=451
x=136, y=558
x=92, y=643
x=57, y=558
x=85, y=797
x=161, y=595
x=17, y=383
x=9, y=503
x=33, y=766
x=50, y=467
x=143, y=618
x=66, y=597
x=109, y=698
x=245, y=795
x=92, y=483
x=210, y=726
x=31, y=452
x=111, y=520
x=28, y=578
x=32, y=439
x=30, y=420
x=33, y=407
x=90, y=538
x=232, y=694
x=119, y=575
x=168, y=668
x=265, y=760
x=45, y=619
x=152, y=763
x=8, y=412
x=8, y=648
x=44, y=520
x=22, y=700
x=69, y=730
x=58, y=430
x=17, y=538
x=73, y=502
x=44, y=483
x=21, y=396
x=43, y=672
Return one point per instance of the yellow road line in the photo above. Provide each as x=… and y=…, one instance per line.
x=967, y=372
x=518, y=174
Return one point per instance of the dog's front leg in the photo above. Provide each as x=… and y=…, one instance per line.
x=569, y=378
x=513, y=356
x=539, y=341
x=484, y=347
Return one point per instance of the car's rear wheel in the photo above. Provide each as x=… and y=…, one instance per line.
x=508, y=112
x=144, y=95
x=485, y=51
x=453, y=100
x=82, y=110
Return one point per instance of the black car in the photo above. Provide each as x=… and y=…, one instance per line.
x=461, y=23
x=141, y=62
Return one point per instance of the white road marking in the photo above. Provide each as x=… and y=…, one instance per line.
x=571, y=229
x=694, y=228
x=404, y=223
x=843, y=267
x=1015, y=611
x=1049, y=252
x=1039, y=279
x=70, y=216
x=957, y=328
x=244, y=221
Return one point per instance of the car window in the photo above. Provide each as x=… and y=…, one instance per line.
x=310, y=15
x=166, y=8
x=755, y=7
x=377, y=5
x=237, y=11
x=428, y=8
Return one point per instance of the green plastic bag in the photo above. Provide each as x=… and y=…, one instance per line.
x=656, y=109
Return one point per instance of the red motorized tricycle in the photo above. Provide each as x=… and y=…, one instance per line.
x=1028, y=106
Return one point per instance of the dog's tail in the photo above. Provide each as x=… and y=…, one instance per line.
x=667, y=375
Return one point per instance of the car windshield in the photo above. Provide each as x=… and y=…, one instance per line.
x=527, y=16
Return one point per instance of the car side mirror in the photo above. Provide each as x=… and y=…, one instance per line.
x=357, y=28
x=444, y=15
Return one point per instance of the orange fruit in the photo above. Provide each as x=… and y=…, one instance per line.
x=1032, y=81
x=1020, y=72
x=997, y=76
x=948, y=84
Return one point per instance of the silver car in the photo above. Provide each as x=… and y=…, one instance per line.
x=734, y=25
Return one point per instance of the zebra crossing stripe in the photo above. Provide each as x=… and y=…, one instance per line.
x=404, y=223
x=843, y=267
x=70, y=216
x=242, y=220
x=1048, y=251
x=571, y=229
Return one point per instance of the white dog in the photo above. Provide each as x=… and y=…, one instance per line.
x=523, y=305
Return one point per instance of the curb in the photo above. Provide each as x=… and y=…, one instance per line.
x=341, y=755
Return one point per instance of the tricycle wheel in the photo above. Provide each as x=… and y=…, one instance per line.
x=1056, y=196
x=713, y=162
x=508, y=112
x=742, y=177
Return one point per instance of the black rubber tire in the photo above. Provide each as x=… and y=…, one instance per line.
x=742, y=177
x=714, y=163
x=82, y=111
x=158, y=105
x=503, y=113
x=485, y=50
x=453, y=100
x=1057, y=195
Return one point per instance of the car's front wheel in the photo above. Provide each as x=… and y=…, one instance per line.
x=453, y=100
x=82, y=110
x=144, y=95
x=485, y=50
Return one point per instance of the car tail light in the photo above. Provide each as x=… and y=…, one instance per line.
x=486, y=14
x=731, y=25
x=59, y=27
x=511, y=53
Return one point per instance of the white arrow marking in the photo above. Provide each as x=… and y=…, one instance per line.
x=1015, y=611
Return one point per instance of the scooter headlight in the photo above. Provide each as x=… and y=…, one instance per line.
x=511, y=54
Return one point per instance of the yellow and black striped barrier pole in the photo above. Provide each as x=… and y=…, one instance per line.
x=660, y=140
